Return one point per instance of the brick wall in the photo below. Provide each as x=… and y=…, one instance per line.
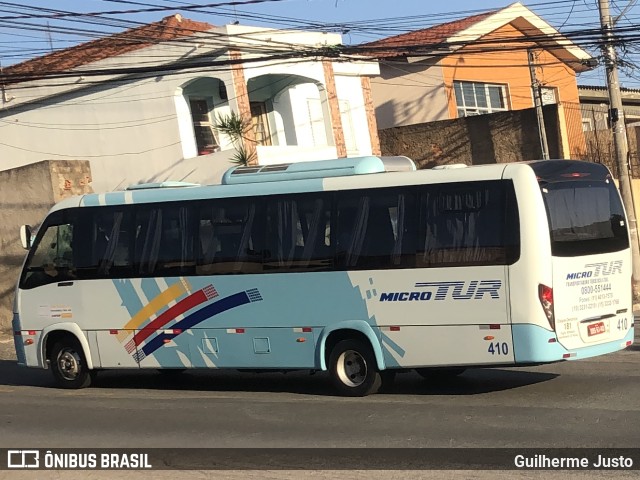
x=495, y=138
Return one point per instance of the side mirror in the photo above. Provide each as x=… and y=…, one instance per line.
x=25, y=236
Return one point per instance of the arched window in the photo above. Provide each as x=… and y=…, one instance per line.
x=206, y=140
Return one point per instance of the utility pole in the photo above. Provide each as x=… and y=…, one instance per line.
x=49, y=37
x=535, y=87
x=616, y=118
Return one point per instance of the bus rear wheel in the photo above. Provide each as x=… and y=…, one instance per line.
x=69, y=365
x=353, y=369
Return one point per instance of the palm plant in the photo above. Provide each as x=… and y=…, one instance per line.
x=236, y=128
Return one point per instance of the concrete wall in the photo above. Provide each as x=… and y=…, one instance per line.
x=408, y=94
x=26, y=194
x=500, y=137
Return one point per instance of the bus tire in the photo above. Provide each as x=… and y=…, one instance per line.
x=440, y=374
x=69, y=365
x=353, y=369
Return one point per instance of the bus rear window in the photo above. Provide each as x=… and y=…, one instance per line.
x=585, y=218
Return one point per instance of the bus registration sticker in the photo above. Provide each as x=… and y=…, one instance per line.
x=596, y=329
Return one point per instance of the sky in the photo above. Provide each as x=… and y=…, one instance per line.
x=24, y=33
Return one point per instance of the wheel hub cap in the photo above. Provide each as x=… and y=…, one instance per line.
x=352, y=368
x=69, y=364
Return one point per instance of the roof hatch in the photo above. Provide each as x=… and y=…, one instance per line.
x=317, y=169
x=168, y=184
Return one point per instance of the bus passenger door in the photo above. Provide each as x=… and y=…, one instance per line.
x=116, y=348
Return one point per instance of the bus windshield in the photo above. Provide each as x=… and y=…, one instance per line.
x=585, y=218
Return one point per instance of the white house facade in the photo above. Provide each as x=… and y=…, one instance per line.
x=143, y=105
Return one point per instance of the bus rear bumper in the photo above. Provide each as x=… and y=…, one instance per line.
x=534, y=344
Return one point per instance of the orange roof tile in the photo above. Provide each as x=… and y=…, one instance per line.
x=169, y=28
x=399, y=44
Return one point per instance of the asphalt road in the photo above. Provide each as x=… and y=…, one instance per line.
x=592, y=402
x=588, y=403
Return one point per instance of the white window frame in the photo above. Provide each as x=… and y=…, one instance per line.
x=260, y=123
x=465, y=110
x=204, y=123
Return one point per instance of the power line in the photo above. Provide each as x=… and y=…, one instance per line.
x=588, y=37
x=63, y=14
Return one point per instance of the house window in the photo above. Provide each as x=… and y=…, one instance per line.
x=206, y=141
x=473, y=98
x=587, y=125
x=260, y=123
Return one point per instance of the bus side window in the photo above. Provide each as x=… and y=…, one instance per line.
x=374, y=231
x=451, y=234
x=164, y=241
x=230, y=237
x=209, y=246
x=111, y=255
x=467, y=224
x=299, y=233
x=175, y=255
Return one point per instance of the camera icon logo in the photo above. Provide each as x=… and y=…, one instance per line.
x=23, y=459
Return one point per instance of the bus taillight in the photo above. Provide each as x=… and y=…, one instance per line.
x=546, y=300
x=574, y=175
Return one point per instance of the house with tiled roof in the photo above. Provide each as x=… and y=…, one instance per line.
x=594, y=104
x=147, y=104
x=479, y=65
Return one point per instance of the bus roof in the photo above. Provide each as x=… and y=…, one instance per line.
x=292, y=180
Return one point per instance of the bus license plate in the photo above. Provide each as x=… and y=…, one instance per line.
x=596, y=329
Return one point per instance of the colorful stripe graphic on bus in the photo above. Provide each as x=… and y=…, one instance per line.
x=192, y=301
x=458, y=290
x=165, y=297
x=220, y=306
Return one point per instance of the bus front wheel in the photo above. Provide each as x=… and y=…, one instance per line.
x=69, y=365
x=353, y=370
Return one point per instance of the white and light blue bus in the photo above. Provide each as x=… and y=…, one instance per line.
x=363, y=267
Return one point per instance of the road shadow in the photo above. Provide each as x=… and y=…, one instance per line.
x=635, y=346
x=13, y=375
x=472, y=382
